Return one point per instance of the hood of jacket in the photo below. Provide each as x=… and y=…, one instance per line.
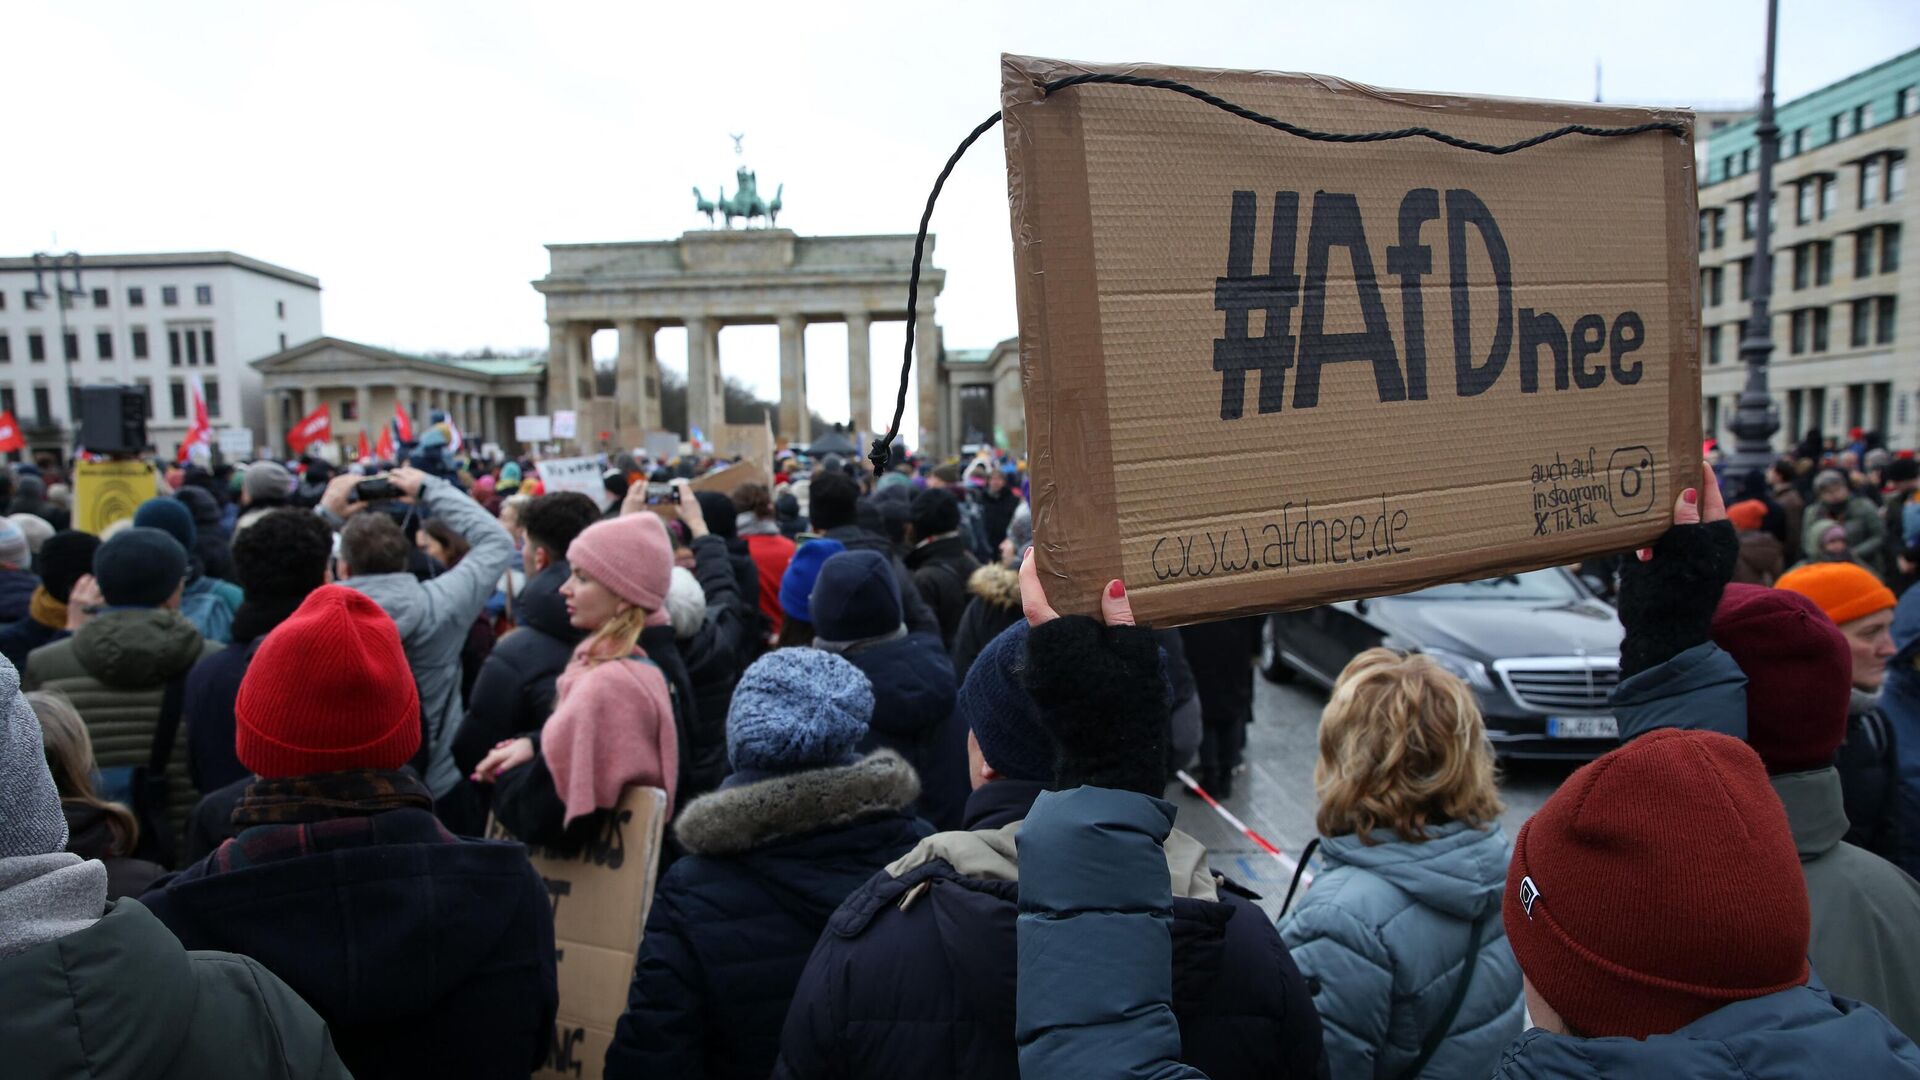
x=996, y=585
x=202, y=505
x=742, y=817
x=543, y=608
x=913, y=682
x=993, y=855
x=1458, y=870
x=401, y=596
x=1816, y=810
x=387, y=930
x=1777, y=1037
x=946, y=548
x=137, y=647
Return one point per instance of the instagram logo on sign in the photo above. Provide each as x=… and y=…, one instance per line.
x=1630, y=481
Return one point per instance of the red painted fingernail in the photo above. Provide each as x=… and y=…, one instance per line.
x=1645, y=554
x=1690, y=496
x=1117, y=590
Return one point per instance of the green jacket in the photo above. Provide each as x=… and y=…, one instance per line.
x=1865, y=909
x=122, y=999
x=1866, y=532
x=115, y=669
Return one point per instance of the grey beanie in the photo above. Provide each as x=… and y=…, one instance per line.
x=797, y=709
x=267, y=480
x=14, y=549
x=1020, y=529
x=31, y=822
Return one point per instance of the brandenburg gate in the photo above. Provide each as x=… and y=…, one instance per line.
x=713, y=278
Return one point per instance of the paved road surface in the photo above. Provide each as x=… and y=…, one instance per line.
x=1275, y=794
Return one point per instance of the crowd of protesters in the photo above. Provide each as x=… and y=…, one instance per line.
x=253, y=738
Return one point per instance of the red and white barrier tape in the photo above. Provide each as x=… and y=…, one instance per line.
x=1306, y=877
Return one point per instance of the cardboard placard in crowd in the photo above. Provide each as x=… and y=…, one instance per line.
x=1264, y=372
x=600, y=899
x=581, y=474
x=566, y=423
x=532, y=429
x=725, y=480
x=108, y=491
x=749, y=442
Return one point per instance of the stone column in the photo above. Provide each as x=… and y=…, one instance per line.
x=628, y=393
x=559, y=376
x=363, y=404
x=646, y=393
x=860, y=371
x=926, y=366
x=793, y=379
x=581, y=357
x=308, y=400
x=276, y=430
x=703, y=370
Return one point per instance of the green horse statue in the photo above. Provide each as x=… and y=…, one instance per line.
x=744, y=203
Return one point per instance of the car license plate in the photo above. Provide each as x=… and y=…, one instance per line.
x=1582, y=727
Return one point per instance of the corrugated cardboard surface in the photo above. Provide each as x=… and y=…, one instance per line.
x=600, y=899
x=1123, y=201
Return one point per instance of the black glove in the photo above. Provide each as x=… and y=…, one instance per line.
x=1667, y=604
x=1103, y=700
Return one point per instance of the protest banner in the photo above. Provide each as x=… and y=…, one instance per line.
x=725, y=480
x=600, y=898
x=581, y=474
x=1266, y=372
x=566, y=423
x=107, y=491
x=532, y=429
x=662, y=445
x=749, y=442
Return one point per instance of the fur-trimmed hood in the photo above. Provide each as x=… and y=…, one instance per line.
x=997, y=585
x=739, y=819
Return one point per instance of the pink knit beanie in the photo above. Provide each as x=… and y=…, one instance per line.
x=630, y=555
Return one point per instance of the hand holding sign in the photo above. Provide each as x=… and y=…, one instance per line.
x=1668, y=594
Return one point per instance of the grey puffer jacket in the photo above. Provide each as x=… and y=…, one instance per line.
x=433, y=618
x=1382, y=936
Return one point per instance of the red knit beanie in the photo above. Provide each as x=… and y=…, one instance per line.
x=1659, y=884
x=630, y=555
x=1799, y=674
x=328, y=690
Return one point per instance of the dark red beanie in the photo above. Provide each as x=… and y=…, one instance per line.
x=328, y=690
x=1799, y=674
x=1659, y=884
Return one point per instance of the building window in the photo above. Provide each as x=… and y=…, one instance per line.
x=1803, y=201
x=206, y=344
x=136, y=296
x=1896, y=176
x=1906, y=103
x=139, y=343
x=1726, y=166
x=212, y=388
x=283, y=343
x=1883, y=324
x=1863, y=116
x=103, y=343
x=99, y=298
x=31, y=299
x=280, y=308
x=1746, y=160
x=1719, y=226
x=1704, y=215
x=177, y=397
x=203, y=295
x=1798, y=321
x=1802, y=263
x=42, y=404
x=173, y=347
x=1869, y=182
x=6, y=348
x=1863, y=253
x=1889, y=249
x=1829, y=196
x=1746, y=278
x=1820, y=329
x=70, y=346
x=148, y=393
x=3, y=299
x=6, y=400
x=1823, y=262
x=73, y=401
x=1860, y=333
x=1800, y=141
x=1837, y=127
x=193, y=348
x=1713, y=344
x=169, y=296
x=1746, y=218
x=36, y=346
x=349, y=410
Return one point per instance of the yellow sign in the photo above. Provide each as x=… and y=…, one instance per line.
x=107, y=491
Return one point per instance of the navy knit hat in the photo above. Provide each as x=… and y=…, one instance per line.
x=796, y=585
x=170, y=516
x=65, y=558
x=140, y=567
x=935, y=513
x=996, y=707
x=856, y=597
x=797, y=709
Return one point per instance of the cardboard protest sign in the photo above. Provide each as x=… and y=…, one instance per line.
x=725, y=480
x=600, y=898
x=581, y=474
x=532, y=429
x=566, y=423
x=107, y=491
x=1264, y=372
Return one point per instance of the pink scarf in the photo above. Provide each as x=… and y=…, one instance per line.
x=612, y=727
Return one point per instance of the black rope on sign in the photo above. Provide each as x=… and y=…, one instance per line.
x=882, y=451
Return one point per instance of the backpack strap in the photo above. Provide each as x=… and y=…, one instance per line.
x=172, y=701
x=1439, y=1031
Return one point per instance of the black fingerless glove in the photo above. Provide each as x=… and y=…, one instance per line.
x=1667, y=604
x=1103, y=700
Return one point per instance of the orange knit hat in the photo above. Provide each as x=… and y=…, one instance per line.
x=1747, y=515
x=1844, y=591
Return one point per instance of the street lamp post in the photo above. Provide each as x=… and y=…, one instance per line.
x=1757, y=418
x=63, y=297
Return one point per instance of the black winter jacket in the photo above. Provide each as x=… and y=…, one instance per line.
x=1869, y=777
x=913, y=693
x=994, y=606
x=920, y=618
x=915, y=977
x=715, y=655
x=427, y=955
x=733, y=921
x=514, y=692
x=941, y=569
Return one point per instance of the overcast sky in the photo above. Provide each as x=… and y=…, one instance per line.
x=416, y=156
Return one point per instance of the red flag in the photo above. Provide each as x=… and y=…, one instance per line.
x=316, y=426
x=402, y=427
x=383, y=450
x=199, y=430
x=366, y=451
x=10, y=437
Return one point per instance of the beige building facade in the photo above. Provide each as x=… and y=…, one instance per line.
x=710, y=279
x=980, y=398
x=360, y=384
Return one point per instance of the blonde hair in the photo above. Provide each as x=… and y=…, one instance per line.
x=616, y=638
x=1402, y=746
x=70, y=759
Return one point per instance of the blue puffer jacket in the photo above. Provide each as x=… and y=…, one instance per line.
x=1381, y=938
x=16, y=594
x=1792, y=1035
x=1900, y=702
